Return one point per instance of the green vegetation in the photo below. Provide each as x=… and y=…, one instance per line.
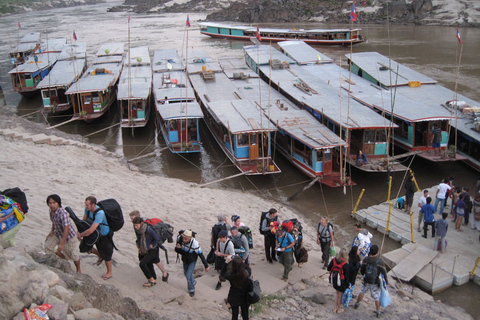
x=9, y=6
x=265, y=302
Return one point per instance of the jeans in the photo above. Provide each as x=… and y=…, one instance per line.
x=188, y=269
x=442, y=242
x=442, y=205
x=286, y=259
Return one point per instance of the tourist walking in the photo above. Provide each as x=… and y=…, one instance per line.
x=284, y=248
x=422, y=201
x=354, y=263
x=224, y=249
x=147, y=245
x=266, y=230
x=441, y=228
x=339, y=277
x=325, y=239
x=441, y=195
x=240, y=285
x=428, y=218
x=363, y=240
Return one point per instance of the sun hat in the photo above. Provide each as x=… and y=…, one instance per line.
x=187, y=233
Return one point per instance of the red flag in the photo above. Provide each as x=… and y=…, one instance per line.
x=129, y=18
x=458, y=36
x=19, y=26
x=353, y=14
x=74, y=35
x=257, y=35
x=188, y=22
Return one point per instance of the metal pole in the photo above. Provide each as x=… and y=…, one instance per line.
x=411, y=225
x=358, y=202
x=387, y=229
x=414, y=180
x=472, y=273
x=389, y=188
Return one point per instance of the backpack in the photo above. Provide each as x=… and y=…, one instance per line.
x=298, y=225
x=113, y=213
x=216, y=230
x=288, y=225
x=163, y=230
x=328, y=226
x=247, y=232
x=336, y=274
x=83, y=225
x=264, y=217
x=371, y=273
x=17, y=195
x=153, y=221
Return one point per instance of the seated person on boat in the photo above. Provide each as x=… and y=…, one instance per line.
x=361, y=158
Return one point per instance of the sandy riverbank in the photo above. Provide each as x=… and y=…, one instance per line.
x=74, y=173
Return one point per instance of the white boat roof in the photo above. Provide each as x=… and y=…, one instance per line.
x=28, y=42
x=298, y=123
x=176, y=96
x=97, y=82
x=53, y=45
x=329, y=99
x=71, y=50
x=63, y=74
x=379, y=66
x=273, y=30
x=108, y=59
x=165, y=60
x=140, y=82
x=302, y=53
x=109, y=49
x=264, y=53
x=197, y=59
x=44, y=60
x=139, y=56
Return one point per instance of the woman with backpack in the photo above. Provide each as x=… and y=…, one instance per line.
x=240, y=285
x=339, y=277
x=148, y=254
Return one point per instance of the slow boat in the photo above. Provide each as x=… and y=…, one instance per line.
x=331, y=37
x=25, y=48
x=96, y=90
x=178, y=112
x=242, y=131
x=135, y=87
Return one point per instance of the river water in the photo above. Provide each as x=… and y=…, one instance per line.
x=431, y=50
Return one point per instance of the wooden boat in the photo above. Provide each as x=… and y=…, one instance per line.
x=240, y=129
x=70, y=65
x=414, y=114
x=25, y=77
x=301, y=139
x=332, y=37
x=96, y=90
x=25, y=48
x=313, y=83
x=178, y=112
x=135, y=87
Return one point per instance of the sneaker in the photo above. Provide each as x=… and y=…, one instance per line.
x=356, y=305
x=219, y=285
x=379, y=313
x=192, y=294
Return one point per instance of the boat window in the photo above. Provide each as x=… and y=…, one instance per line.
x=28, y=76
x=328, y=155
x=95, y=97
x=369, y=136
x=172, y=125
x=253, y=138
x=381, y=136
x=242, y=139
x=45, y=94
x=319, y=155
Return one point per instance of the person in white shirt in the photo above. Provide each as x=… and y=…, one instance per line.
x=421, y=202
x=441, y=195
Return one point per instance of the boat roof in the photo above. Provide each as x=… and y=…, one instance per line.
x=165, y=60
x=302, y=53
x=272, y=30
x=53, y=45
x=109, y=49
x=71, y=50
x=198, y=59
x=282, y=112
x=63, y=74
x=176, y=108
x=97, y=82
x=140, y=83
x=264, y=53
x=44, y=60
x=328, y=99
x=28, y=42
x=139, y=56
x=379, y=66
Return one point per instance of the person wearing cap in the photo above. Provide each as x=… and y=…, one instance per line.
x=238, y=237
x=189, y=248
x=270, y=242
x=284, y=247
x=225, y=249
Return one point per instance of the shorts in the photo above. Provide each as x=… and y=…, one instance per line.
x=104, y=247
x=70, y=249
x=420, y=217
x=374, y=290
x=436, y=145
x=409, y=201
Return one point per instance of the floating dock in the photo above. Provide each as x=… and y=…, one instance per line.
x=416, y=260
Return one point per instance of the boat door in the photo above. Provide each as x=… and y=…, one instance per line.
x=327, y=161
x=253, y=146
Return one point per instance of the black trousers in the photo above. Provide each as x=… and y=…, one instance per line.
x=325, y=246
x=244, y=312
x=425, y=228
x=270, y=244
x=147, y=262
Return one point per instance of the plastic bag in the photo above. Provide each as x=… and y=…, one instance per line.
x=333, y=251
x=37, y=313
x=347, y=296
x=385, y=299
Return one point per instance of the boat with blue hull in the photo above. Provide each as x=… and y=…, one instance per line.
x=178, y=112
x=25, y=48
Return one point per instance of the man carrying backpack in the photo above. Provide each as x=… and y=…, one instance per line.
x=284, y=246
x=219, y=226
x=104, y=245
x=325, y=239
x=371, y=269
x=225, y=249
x=240, y=243
x=265, y=229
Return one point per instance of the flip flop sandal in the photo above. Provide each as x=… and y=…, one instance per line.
x=165, y=279
x=149, y=284
x=99, y=262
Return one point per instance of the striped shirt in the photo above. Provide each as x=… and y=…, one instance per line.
x=60, y=219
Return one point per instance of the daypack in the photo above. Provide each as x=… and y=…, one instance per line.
x=247, y=232
x=371, y=273
x=113, y=213
x=254, y=295
x=17, y=195
x=336, y=274
x=288, y=225
x=216, y=230
x=237, y=246
x=264, y=217
x=297, y=225
x=153, y=221
x=163, y=230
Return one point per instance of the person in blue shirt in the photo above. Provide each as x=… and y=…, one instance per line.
x=285, y=243
x=361, y=158
x=428, y=219
x=104, y=246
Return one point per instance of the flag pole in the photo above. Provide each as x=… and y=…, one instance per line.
x=455, y=92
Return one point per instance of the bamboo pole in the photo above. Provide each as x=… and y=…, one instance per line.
x=223, y=179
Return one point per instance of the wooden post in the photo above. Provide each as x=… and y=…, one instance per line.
x=411, y=225
x=235, y=175
x=304, y=188
x=387, y=229
x=472, y=273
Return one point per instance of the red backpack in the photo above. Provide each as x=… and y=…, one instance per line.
x=336, y=274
